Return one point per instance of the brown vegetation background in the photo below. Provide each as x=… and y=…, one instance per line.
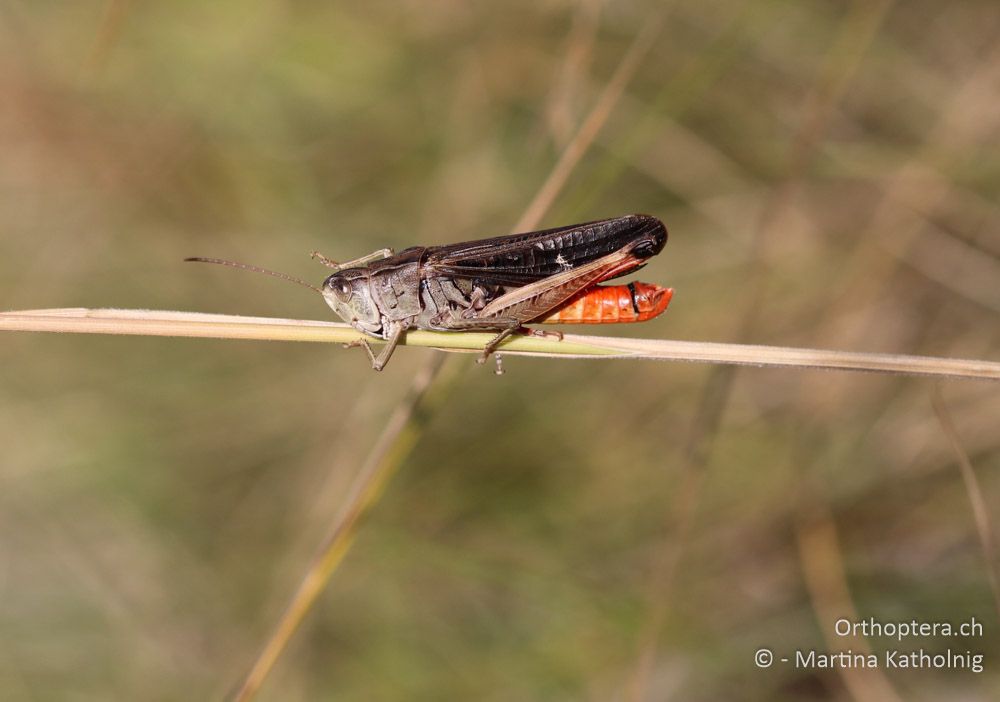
x=829, y=172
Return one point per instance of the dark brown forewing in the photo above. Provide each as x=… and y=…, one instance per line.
x=519, y=259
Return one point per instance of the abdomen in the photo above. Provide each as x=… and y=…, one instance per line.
x=612, y=304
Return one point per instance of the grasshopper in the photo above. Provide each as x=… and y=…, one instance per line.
x=497, y=284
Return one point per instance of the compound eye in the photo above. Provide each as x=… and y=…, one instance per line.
x=340, y=287
x=344, y=291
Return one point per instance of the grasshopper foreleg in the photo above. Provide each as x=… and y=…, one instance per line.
x=392, y=341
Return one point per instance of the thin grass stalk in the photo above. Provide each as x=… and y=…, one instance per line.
x=592, y=124
x=398, y=438
x=980, y=514
x=825, y=576
x=553, y=185
x=843, y=59
x=571, y=346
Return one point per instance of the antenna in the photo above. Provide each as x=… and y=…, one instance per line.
x=254, y=269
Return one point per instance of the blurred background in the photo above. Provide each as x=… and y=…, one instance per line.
x=829, y=172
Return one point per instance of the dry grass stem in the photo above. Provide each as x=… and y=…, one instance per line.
x=826, y=579
x=980, y=513
x=397, y=439
x=843, y=60
x=572, y=346
x=592, y=124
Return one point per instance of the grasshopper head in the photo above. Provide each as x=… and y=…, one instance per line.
x=349, y=295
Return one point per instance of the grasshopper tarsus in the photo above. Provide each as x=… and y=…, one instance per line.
x=545, y=333
x=378, y=363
